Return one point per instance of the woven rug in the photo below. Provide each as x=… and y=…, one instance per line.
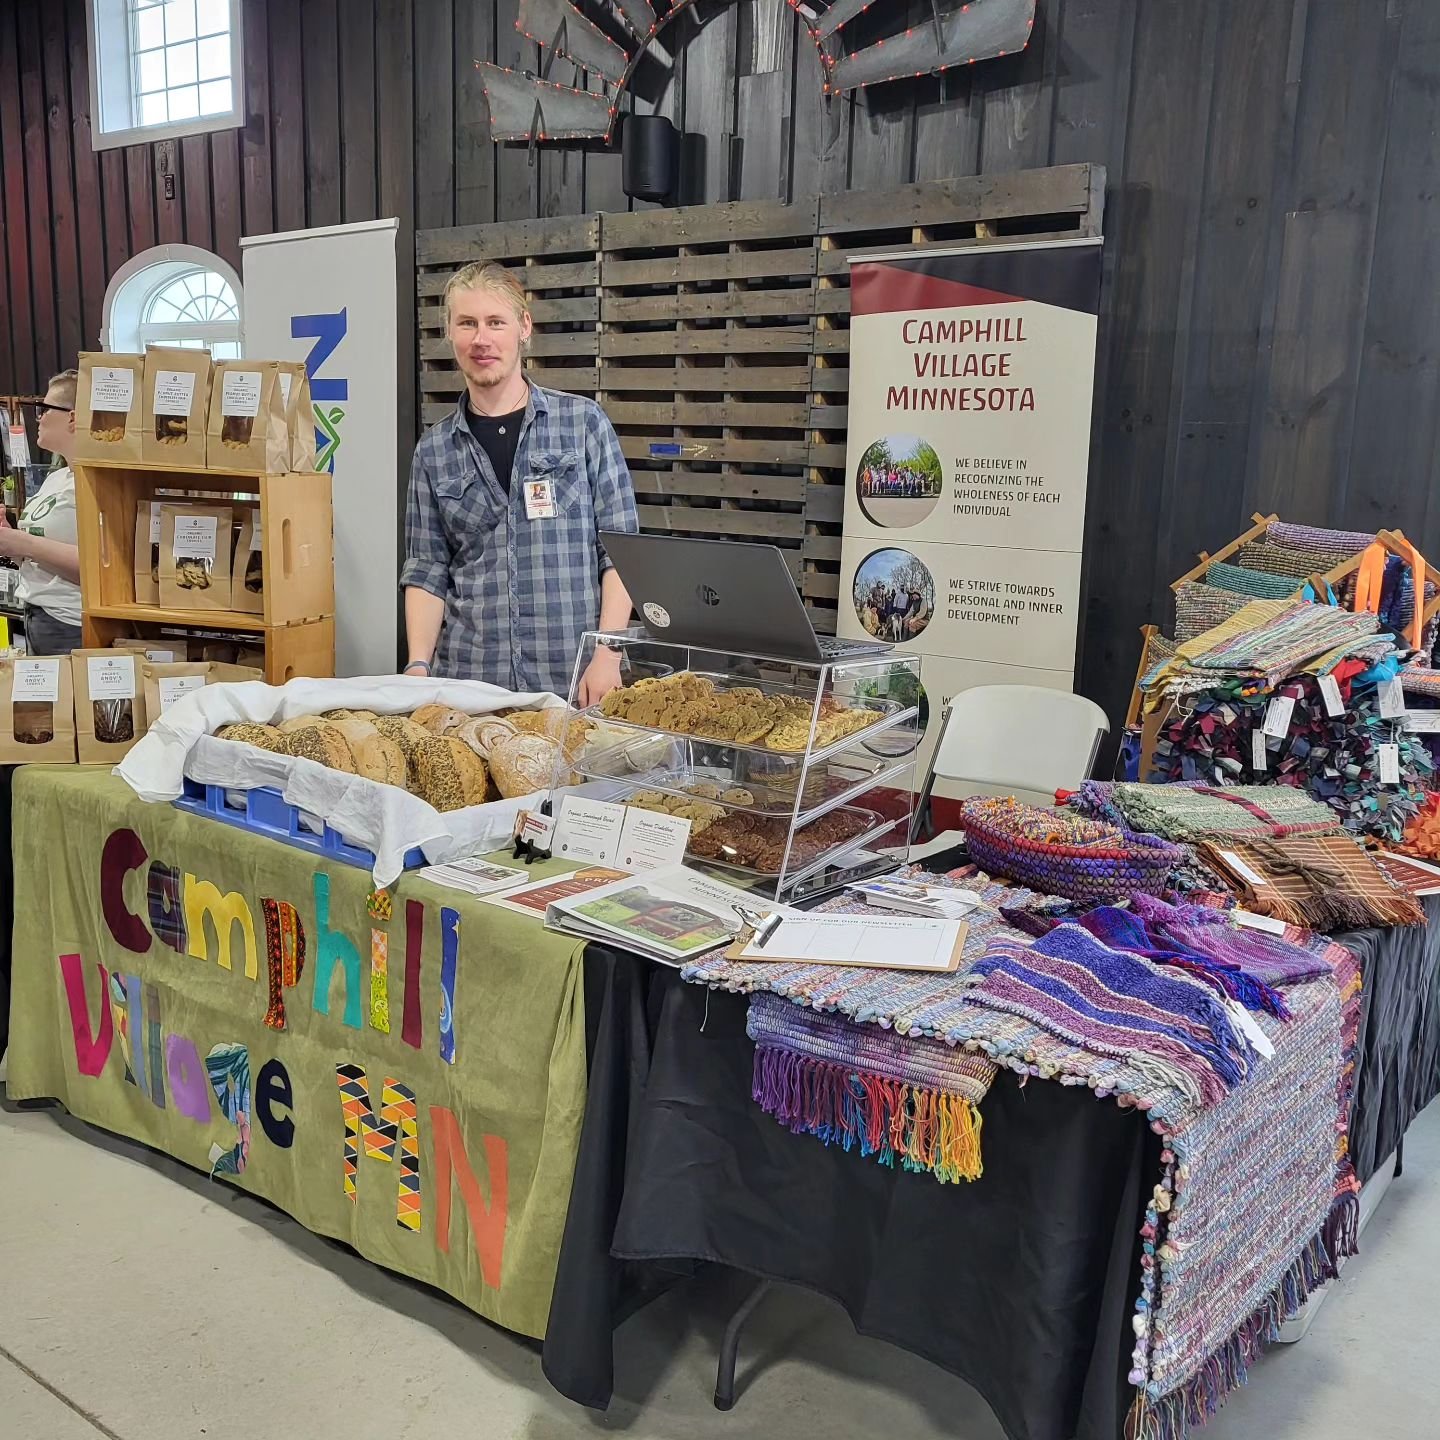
x=1345, y=543
x=1256, y=1200
x=1255, y=583
x=908, y=1100
x=1195, y=812
x=1199, y=608
x=1301, y=562
x=1320, y=882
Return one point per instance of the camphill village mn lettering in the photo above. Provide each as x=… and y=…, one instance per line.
x=933, y=362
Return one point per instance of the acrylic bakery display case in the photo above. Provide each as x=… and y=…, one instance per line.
x=795, y=775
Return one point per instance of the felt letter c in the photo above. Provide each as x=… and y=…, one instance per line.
x=123, y=853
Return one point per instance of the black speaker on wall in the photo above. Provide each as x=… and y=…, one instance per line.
x=649, y=157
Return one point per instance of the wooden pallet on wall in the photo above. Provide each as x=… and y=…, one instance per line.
x=717, y=338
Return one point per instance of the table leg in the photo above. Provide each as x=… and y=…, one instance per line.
x=730, y=1346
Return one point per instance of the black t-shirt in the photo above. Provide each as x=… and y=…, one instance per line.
x=497, y=435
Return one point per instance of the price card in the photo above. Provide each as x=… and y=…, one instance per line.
x=1277, y=716
x=588, y=830
x=1330, y=694
x=37, y=680
x=1392, y=699
x=240, y=393
x=649, y=840
x=195, y=537
x=174, y=688
x=111, y=390
x=160, y=657
x=1390, y=764
x=174, y=390
x=1250, y=920
x=1423, y=722
x=19, y=447
x=1258, y=758
x=111, y=677
x=1251, y=877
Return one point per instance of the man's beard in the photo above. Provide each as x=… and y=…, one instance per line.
x=492, y=376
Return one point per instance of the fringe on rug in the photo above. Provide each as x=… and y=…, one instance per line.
x=924, y=1129
x=1193, y=1403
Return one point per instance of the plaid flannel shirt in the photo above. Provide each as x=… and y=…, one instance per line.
x=518, y=593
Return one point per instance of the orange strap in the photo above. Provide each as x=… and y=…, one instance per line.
x=1370, y=581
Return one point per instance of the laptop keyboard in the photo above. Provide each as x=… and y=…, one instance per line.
x=832, y=647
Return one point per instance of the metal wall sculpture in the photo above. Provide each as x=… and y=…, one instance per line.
x=611, y=40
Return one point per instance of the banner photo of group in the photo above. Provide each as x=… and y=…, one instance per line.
x=971, y=381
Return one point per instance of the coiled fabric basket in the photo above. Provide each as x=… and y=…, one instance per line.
x=1063, y=854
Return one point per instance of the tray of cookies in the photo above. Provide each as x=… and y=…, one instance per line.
x=745, y=714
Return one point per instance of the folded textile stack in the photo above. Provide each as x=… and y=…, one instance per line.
x=1194, y=812
x=1320, y=882
x=1262, y=645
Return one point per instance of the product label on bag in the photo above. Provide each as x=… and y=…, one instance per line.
x=195, y=537
x=174, y=688
x=240, y=393
x=154, y=522
x=37, y=680
x=286, y=380
x=111, y=677
x=174, y=392
x=111, y=390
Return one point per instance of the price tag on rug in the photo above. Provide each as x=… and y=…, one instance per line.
x=1268, y=923
x=1245, y=1023
x=1244, y=871
x=1390, y=764
x=1258, y=759
x=1422, y=722
x=1392, y=699
x=1330, y=693
x=1277, y=716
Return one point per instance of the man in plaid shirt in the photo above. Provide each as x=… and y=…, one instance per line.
x=504, y=570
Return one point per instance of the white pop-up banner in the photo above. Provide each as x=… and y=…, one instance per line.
x=971, y=373
x=328, y=297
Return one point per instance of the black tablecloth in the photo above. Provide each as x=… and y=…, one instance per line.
x=1022, y=1283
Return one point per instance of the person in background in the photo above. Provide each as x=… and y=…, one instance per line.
x=44, y=541
x=504, y=569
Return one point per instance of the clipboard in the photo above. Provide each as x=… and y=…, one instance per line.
x=778, y=957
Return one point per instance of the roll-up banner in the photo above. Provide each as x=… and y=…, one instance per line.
x=971, y=377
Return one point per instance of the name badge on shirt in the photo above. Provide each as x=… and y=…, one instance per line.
x=540, y=499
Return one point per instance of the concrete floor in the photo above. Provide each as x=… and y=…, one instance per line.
x=140, y=1302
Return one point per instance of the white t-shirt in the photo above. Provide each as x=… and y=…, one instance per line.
x=51, y=514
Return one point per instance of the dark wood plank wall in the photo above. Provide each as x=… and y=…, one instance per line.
x=1271, y=332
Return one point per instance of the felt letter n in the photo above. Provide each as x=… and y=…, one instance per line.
x=487, y=1222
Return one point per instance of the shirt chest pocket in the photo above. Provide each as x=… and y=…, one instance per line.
x=466, y=507
x=562, y=477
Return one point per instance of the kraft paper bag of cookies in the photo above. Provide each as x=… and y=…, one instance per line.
x=299, y=413
x=177, y=404
x=109, y=407
x=247, y=583
x=37, y=711
x=195, y=556
x=147, y=552
x=167, y=685
x=248, y=426
x=110, y=714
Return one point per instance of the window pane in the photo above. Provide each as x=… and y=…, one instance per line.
x=184, y=103
x=180, y=65
x=215, y=97
x=149, y=28
x=179, y=20
x=214, y=17
x=225, y=350
x=152, y=70
x=215, y=58
x=152, y=109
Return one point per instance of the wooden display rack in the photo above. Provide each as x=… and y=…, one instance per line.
x=298, y=624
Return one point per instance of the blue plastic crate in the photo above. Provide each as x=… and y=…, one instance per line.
x=268, y=813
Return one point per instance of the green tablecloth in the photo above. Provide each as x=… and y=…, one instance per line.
x=253, y=1010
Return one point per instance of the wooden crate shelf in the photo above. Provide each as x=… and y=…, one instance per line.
x=297, y=626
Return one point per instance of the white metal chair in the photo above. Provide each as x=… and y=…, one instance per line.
x=1014, y=737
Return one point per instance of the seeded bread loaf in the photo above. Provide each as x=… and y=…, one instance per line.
x=451, y=775
x=265, y=737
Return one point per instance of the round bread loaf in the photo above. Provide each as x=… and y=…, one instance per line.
x=437, y=719
x=451, y=775
x=559, y=722
x=322, y=743
x=522, y=764
x=301, y=722
x=408, y=736
x=266, y=737
x=350, y=715
x=375, y=757
x=484, y=732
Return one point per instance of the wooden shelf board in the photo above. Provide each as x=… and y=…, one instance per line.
x=199, y=619
x=160, y=466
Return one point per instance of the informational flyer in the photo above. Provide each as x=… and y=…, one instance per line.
x=971, y=381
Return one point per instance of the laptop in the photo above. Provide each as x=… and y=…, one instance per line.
x=726, y=595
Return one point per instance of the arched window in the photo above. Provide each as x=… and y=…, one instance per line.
x=174, y=295
x=195, y=308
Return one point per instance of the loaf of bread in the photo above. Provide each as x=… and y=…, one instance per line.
x=484, y=732
x=322, y=743
x=439, y=719
x=522, y=764
x=451, y=774
x=265, y=737
x=408, y=736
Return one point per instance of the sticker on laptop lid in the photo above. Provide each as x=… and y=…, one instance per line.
x=657, y=615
